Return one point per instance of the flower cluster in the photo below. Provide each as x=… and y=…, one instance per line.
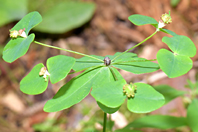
x=130, y=90
x=15, y=33
x=165, y=19
x=43, y=72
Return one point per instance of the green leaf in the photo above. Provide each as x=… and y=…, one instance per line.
x=192, y=115
x=146, y=99
x=110, y=94
x=108, y=109
x=59, y=66
x=181, y=45
x=78, y=88
x=17, y=48
x=172, y=64
x=130, y=62
x=168, y=92
x=107, y=77
x=87, y=62
x=136, y=65
x=72, y=92
x=158, y=121
x=168, y=31
x=28, y=22
x=127, y=130
x=33, y=83
x=191, y=85
x=126, y=55
x=142, y=20
x=12, y=10
x=174, y=3
x=66, y=16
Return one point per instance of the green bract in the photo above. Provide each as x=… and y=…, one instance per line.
x=176, y=63
x=16, y=48
x=146, y=99
x=28, y=22
x=172, y=64
x=112, y=95
x=33, y=83
x=19, y=46
x=180, y=45
x=59, y=66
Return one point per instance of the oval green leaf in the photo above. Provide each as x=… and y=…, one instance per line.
x=66, y=16
x=59, y=66
x=173, y=65
x=33, y=83
x=192, y=115
x=142, y=20
x=110, y=94
x=146, y=99
x=17, y=48
x=181, y=45
x=158, y=121
x=28, y=22
x=12, y=10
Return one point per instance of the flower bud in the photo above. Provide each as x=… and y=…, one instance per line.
x=166, y=18
x=22, y=33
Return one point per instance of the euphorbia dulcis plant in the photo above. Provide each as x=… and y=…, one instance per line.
x=101, y=77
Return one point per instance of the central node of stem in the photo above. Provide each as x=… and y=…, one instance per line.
x=107, y=61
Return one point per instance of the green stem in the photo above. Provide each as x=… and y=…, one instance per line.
x=135, y=45
x=104, y=122
x=71, y=51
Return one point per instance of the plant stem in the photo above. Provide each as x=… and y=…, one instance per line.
x=104, y=122
x=136, y=45
x=71, y=51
